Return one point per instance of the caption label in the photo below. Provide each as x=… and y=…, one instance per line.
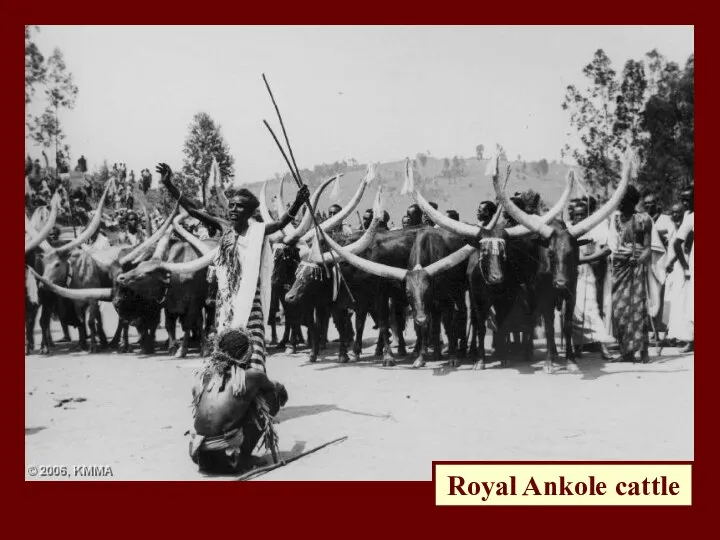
x=563, y=485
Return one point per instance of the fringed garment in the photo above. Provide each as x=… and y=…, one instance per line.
x=239, y=259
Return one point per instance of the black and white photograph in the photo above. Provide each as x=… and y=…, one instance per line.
x=343, y=252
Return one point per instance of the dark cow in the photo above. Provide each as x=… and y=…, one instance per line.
x=412, y=281
x=503, y=262
x=556, y=280
x=317, y=294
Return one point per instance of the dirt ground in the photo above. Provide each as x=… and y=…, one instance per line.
x=131, y=413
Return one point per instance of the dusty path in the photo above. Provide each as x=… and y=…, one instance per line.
x=397, y=420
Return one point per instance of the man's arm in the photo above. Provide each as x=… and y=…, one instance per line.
x=303, y=196
x=191, y=206
x=599, y=254
x=680, y=239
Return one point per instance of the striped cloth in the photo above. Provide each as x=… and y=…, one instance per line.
x=256, y=328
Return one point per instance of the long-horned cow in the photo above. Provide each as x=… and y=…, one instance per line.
x=556, y=279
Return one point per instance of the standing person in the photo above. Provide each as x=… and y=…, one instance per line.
x=341, y=229
x=234, y=401
x=629, y=241
x=663, y=223
x=368, y=217
x=588, y=325
x=485, y=212
x=405, y=222
x=452, y=214
x=678, y=328
x=132, y=235
x=685, y=236
x=415, y=215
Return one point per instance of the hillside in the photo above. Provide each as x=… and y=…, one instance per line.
x=462, y=193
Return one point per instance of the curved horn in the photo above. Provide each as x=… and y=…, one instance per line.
x=157, y=235
x=190, y=238
x=267, y=218
x=457, y=227
x=371, y=267
x=494, y=220
x=356, y=247
x=306, y=222
x=30, y=233
x=92, y=226
x=530, y=222
x=75, y=294
x=41, y=235
x=594, y=220
x=162, y=245
x=191, y=266
x=519, y=230
x=446, y=263
x=148, y=221
x=343, y=213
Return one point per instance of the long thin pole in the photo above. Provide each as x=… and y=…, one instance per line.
x=266, y=469
x=296, y=174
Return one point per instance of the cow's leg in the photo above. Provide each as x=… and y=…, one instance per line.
x=30, y=315
x=482, y=313
x=435, y=325
x=45, y=316
x=66, y=333
x=115, y=341
x=170, y=328
x=400, y=321
x=548, y=315
x=567, y=330
x=384, y=315
x=82, y=329
x=92, y=316
x=101, y=330
x=314, y=330
x=360, y=318
x=125, y=337
x=342, y=322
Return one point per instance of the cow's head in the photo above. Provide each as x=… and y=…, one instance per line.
x=559, y=251
x=147, y=283
x=419, y=293
x=492, y=256
x=310, y=277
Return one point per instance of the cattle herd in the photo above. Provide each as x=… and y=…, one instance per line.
x=446, y=275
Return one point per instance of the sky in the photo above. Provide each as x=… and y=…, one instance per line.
x=373, y=93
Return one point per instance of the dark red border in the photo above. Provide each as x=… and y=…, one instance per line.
x=277, y=509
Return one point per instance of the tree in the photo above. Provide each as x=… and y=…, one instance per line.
x=446, y=164
x=543, y=167
x=205, y=141
x=35, y=68
x=422, y=158
x=629, y=106
x=479, y=150
x=592, y=114
x=60, y=92
x=668, y=118
x=502, y=155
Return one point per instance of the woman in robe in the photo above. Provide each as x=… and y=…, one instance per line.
x=630, y=243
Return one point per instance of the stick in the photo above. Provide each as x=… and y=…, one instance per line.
x=298, y=179
x=267, y=468
x=360, y=220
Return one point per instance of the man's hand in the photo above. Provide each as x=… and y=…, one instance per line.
x=165, y=173
x=303, y=196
